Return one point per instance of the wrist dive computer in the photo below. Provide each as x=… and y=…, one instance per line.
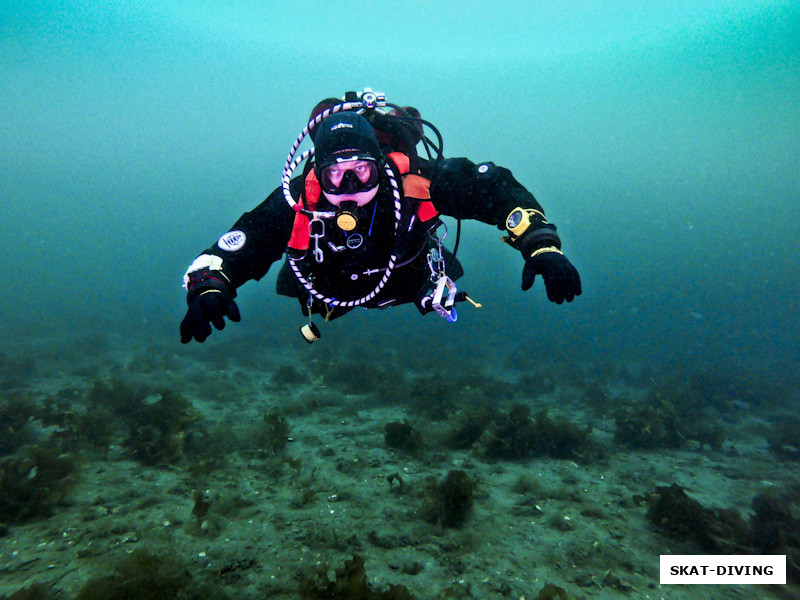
x=519, y=220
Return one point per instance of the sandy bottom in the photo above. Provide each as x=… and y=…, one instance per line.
x=250, y=520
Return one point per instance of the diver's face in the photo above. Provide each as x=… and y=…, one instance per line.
x=362, y=169
x=351, y=180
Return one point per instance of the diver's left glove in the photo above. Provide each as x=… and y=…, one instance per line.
x=537, y=240
x=210, y=298
x=561, y=278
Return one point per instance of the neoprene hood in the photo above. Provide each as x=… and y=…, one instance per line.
x=345, y=135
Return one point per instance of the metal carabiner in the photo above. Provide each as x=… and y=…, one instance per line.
x=436, y=255
x=433, y=257
x=318, y=255
x=310, y=303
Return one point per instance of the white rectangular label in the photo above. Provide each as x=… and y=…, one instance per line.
x=727, y=568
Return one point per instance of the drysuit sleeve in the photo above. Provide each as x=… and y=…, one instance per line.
x=488, y=193
x=254, y=242
x=484, y=191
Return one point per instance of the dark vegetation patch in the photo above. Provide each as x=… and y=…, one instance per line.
x=449, y=502
x=517, y=435
x=674, y=411
x=160, y=425
x=33, y=482
x=783, y=439
x=349, y=583
x=403, y=436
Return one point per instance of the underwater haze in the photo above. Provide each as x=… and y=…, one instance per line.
x=661, y=139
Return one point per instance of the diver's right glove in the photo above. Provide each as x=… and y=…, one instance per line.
x=210, y=299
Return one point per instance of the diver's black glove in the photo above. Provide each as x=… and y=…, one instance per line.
x=210, y=299
x=531, y=234
x=561, y=279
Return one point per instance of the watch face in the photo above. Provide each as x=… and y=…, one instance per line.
x=514, y=219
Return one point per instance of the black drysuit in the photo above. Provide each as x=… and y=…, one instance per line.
x=459, y=188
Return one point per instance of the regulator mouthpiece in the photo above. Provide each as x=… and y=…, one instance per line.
x=346, y=218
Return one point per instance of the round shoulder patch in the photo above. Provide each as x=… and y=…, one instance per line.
x=232, y=241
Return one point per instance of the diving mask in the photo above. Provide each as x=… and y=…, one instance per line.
x=349, y=177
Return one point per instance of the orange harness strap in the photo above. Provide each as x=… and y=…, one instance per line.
x=415, y=186
x=300, y=237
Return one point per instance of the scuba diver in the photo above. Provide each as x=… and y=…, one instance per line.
x=360, y=227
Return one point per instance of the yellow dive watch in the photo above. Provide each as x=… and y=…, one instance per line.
x=519, y=220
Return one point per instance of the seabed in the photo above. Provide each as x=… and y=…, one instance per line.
x=154, y=472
